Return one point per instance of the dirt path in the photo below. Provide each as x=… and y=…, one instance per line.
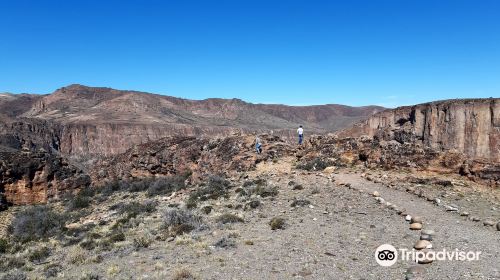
x=452, y=231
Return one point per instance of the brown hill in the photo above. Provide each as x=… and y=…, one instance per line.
x=89, y=121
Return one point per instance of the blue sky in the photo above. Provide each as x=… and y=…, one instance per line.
x=384, y=52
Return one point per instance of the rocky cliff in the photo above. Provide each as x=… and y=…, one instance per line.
x=469, y=126
x=88, y=122
x=35, y=177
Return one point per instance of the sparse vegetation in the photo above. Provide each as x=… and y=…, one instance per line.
x=300, y=202
x=277, y=223
x=229, y=218
x=143, y=241
x=168, y=185
x=215, y=187
x=15, y=275
x=180, y=221
x=81, y=200
x=38, y=255
x=90, y=276
x=52, y=270
x=225, y=242
x=36, y=222
x=4, y=245
x=183, y=274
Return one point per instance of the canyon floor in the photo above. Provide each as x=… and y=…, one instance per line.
x=276, y=222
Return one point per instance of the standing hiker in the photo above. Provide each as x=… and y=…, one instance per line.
x=258, y=145
x=300, y=131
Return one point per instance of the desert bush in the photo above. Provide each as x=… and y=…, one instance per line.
x=52, y=270
x=316, y=164
x=261, y=190
x=4, y=245
x=11, y=263
x=300, y=202
x=142, y=241
x=88, y=244
x=109, y=188
x=77, y=256
x=38, y=255
x=36, y=222
x=229, y=218
x=225, y=243
x=116, y=236
x=180, y=221
x=81, y=200
x=183, y=274
x=215, y=187
x=15, y=275
x=167, y=185
x=277, y=223
x=133, y=209
x=90, y=276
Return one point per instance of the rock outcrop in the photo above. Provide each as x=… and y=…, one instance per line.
x=36, y=177
x=468, y=126
x=199, y=156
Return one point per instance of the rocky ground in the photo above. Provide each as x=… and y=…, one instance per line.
x=275, y=222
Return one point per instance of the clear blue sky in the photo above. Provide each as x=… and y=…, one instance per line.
x=385, y=52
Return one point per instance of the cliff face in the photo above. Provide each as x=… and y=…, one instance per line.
x=88, y=122
x=469, y=126
x=35, y=177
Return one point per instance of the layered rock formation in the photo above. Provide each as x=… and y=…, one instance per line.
x=36, y=177
x=88, y=122
x=468, y=126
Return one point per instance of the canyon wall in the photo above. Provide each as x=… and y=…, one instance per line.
x=469, y=126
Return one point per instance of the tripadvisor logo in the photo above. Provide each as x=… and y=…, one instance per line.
x=387, y=255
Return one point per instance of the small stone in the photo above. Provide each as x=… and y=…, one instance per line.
x=170, y=239
x=422, y=244
x=451, y=209
x=489, y=223
x=416, y=226
x=426, y=237
x=437, y=200
x=415, y=272
x=464, y=214
x=416, y=219
x=376, y=194
x=428, y=232
x=408, y=218
x=498, y=226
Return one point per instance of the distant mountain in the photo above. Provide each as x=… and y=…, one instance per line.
x=87, y=121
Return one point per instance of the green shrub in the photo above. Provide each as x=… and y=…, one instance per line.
x=36, y=222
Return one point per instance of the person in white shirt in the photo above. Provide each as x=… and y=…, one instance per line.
x=300, y=131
